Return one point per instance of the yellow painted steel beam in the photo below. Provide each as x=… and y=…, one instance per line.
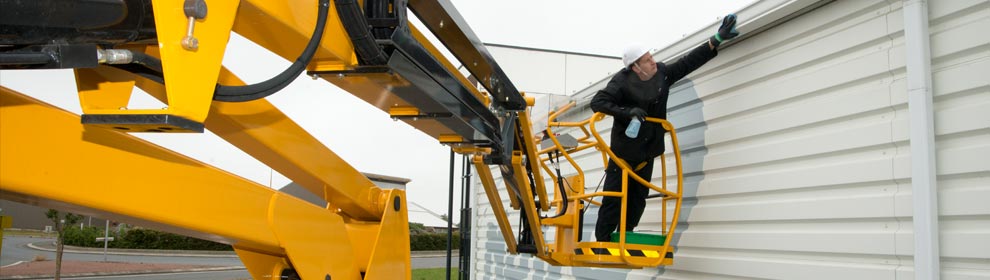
x=384, y=261
x=566, y=237
x=264, y=132
x=111, y=174
x=609, y=254
x=575, y=186
x=403, y=111
x=283, y=27
x=48, y=158
x=529, y=204
x=532, y=159
x=452, y=139
x=190, y=69
x=488, y=182
x=471, y=150
x=103, y=92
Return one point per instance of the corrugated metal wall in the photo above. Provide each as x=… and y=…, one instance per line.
x=797, y=160
x=961, y=80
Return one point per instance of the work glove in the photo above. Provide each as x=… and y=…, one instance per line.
x=637, y=113
x=726, y=31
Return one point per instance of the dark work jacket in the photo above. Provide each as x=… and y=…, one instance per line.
x=626, y=90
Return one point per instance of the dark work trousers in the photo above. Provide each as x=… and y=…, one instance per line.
x=611, y=210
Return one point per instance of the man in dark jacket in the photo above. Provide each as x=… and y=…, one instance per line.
x=640, y=90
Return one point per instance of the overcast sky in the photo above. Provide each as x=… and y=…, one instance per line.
x=365, y=136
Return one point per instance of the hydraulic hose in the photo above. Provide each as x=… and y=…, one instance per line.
x=560, y=185
x=269, y=87
x=138, y=63
x=147, y=61
x=560, y=179
x=24, y=58
x=141, y=71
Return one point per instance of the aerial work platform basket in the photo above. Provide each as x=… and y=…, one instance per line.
x=563, y=213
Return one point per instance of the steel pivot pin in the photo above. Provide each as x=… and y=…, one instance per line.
x=194, y=9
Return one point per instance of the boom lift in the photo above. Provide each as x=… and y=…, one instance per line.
x=173, y=49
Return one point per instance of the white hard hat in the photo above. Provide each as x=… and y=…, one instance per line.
x=632, y=53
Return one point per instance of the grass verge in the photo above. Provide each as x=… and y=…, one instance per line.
x=27, y=232
x=433, y=273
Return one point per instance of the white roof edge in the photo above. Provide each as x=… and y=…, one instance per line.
x=756, y=17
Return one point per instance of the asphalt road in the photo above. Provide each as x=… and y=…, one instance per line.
x=213, y=275
x=434, y=262
x=15, y=249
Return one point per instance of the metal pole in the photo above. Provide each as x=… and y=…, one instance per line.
x=106, y=240
x=450, y=213
x=465, y=227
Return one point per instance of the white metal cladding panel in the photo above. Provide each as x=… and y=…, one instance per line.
x=797, y=160
x=961, y=81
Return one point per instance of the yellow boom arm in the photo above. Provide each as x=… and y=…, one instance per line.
x=91, y=164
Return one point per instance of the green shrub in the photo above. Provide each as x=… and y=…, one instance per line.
x=151, y=239
x=432, y=241
x=85, y=237
x=139, y=238
x=417, y=228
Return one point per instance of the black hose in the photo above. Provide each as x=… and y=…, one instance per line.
x=25, y=58
x=560, y=186
x=269, y=87
x=356, y=26
x=142, y=71
x=147, y=61
x=560, y=179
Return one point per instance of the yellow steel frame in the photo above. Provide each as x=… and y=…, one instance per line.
x=274, y=231
x=190, y=73
x=529, y=205
x=264, y=132
x=140, y=183
x=256, y=127
x=157, y=187
x=488, y=181
x=282, y=27
x=528, y=140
